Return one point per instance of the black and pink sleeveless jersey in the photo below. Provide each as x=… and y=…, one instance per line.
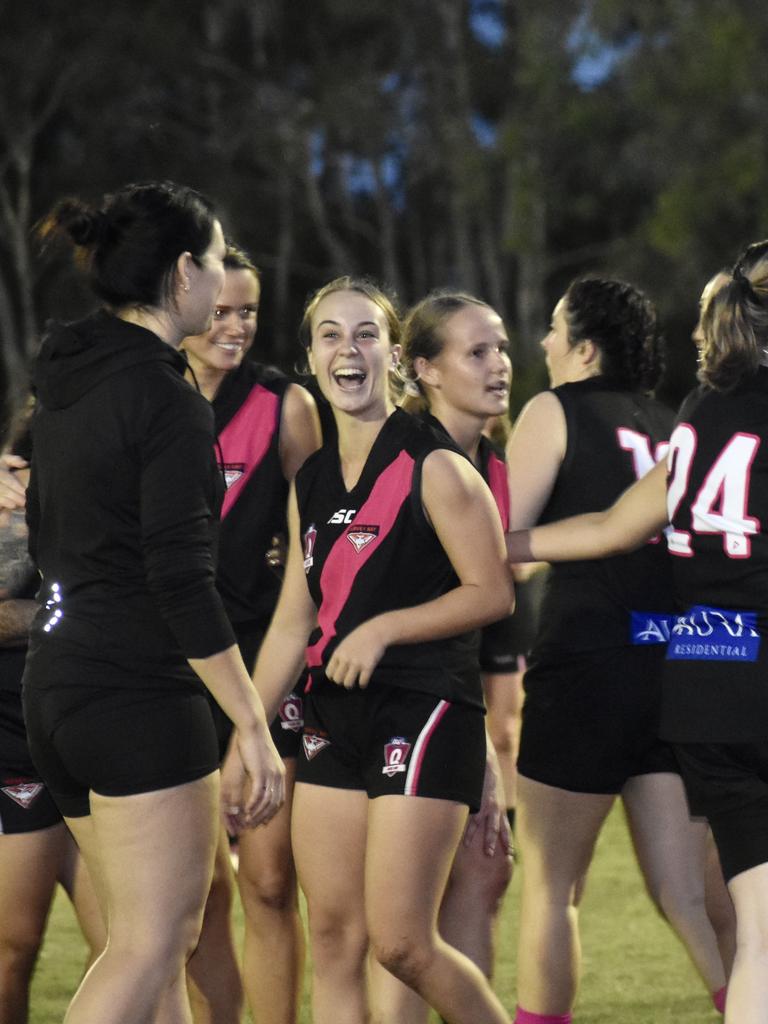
x=372, y=550
x=614, y=437
x=716, y=673
x=247, y=411
x=492, y=466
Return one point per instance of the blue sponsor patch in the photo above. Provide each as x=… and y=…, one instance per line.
x=650, y=627
x=714, y=634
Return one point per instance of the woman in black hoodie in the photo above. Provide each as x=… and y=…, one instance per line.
x=122, y=508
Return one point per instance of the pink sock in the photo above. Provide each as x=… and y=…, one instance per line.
x=526, y=1017
x=718, y=998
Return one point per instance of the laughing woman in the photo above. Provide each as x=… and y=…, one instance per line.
x=381, y=583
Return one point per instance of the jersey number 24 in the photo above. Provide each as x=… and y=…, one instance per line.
x=720, y=505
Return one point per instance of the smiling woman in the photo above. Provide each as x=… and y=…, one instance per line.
x=380, y=583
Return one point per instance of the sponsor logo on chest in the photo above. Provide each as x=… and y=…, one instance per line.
x=232, y=472
x=361, y=536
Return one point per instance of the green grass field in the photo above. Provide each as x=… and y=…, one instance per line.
x=635, y=971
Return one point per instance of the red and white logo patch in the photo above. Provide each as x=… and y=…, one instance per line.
x=232, y=472
x=395, y=755
x=313, y=744
x=360, y=536
x=292, y=713
x=24, y=793
x=309, y=546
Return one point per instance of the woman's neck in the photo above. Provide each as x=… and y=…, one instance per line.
x=356, y=438
x=158, y=321
x=464, y=428
x=208, y=378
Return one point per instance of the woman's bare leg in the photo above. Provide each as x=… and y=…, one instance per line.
x=152, y=857
x=29, y=865
x=556, y=833
x=273, y=956
x=671, y=852
x=329, y=838
x=213, y=973
x=410, y=848
x=748, y=986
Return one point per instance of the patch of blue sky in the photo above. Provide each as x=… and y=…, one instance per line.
x=595, y=59
x=317, y=152
x=486, y=22
x=486, y=133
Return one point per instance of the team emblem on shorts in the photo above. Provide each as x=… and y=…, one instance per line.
x=359, y=536
x=232, y=472
x=292, y=713
x=24, y=793
x=395, y=756
x=309, y=546
x=313, y=743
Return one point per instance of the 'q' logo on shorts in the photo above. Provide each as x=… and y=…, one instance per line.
x=292, y=713
x=395, y=756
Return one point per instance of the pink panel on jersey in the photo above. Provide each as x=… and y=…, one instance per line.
x=344, y=561
x=497, y=481
x=246, y=438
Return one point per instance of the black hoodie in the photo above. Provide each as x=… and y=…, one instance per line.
x=122, y=510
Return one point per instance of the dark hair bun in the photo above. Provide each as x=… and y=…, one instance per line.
x=82, y=223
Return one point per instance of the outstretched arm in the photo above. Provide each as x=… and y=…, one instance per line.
x=639, y=513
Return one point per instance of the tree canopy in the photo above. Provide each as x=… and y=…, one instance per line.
x=502, y=147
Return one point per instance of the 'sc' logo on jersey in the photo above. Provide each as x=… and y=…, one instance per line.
x=344, y=515
x=360, y=536
x=309, y=546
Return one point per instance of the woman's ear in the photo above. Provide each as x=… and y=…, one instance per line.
x=183, y=265
x=426, y=372
x=311, y=361
x=397, y=351
x=589, y=353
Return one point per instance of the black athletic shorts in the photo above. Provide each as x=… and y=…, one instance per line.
x=117, y=742
x=590, y=721
x=388, y=740
x=286, y=728
x=25, y=805
x=727, y=783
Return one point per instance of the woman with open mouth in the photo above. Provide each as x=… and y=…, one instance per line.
x=382, y=584
x=456, y=357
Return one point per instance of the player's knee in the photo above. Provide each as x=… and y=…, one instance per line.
x=18, y=954
x=503, y=733
x=481, y=878
x=272, y=890
x=337, y=936
x=405, y=958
